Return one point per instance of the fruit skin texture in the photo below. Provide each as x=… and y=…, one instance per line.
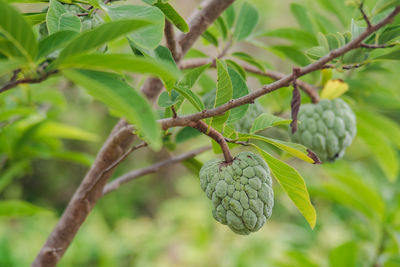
x=241, y=192
x=245, y=123
x=327, y=128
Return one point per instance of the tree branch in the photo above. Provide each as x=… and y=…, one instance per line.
x=116, y=145
x=13, y=82
x=365, y=17
x=374, y=46
x=218, y=137
x=170, y=39
x=200, y=21
x=310, y=90
x=284, y=81
x=85, y=197
x=115, y=184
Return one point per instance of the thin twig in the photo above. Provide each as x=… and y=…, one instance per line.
x=112, y=166
x=226, y=48
x=284, y=81
x=172, y=45
x=310, y=90
x=202, y=127
x=13, y=83
x=374, y=46
x=365, y=17
x=115, y=184
x=174, y=114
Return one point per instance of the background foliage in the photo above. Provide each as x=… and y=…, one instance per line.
x=50, y=131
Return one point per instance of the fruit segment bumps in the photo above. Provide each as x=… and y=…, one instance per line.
x=241, y=192
x=327, y=128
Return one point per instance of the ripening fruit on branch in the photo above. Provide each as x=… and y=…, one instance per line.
x=327, y=128
x=241, y=192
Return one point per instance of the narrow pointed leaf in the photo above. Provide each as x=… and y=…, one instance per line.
x=296, y=150
x=173, y=16
x=265, y=121
x=149, y=37
x=247, y=21
x=55, y=42
x=89, y=40
x=224, y=92
x=18, y=31
x=293, y=184
x=123, y=62
x=122, y=100
x=191, y=97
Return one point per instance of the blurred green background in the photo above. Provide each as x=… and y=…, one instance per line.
x=165, y=219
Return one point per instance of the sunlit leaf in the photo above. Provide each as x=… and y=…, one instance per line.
x=122, y=100
x=18, y=31
x=293, y=184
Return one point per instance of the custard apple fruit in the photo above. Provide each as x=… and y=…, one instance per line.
x=327, y=128
x=245, y=123
x=241, y=192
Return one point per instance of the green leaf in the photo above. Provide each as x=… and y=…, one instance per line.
x=35, y=18
x=249, y=59
x=265, y=121
x=54, y=42
x=210, y=37
x=247, y=21
x=291, y=52
x=395, y=55
x=69, y=22
x=380, y=147
x=344, y=255
x=224, y=92
x=296, y=150
x=221, y=26
x=185, y=134
x=122, y=62
x=54, y=129
x=293, y=184
x=13, y=208
x=18, y=31
x=173, y=16
x=89, y=40
x=54, y=13
x=316, y=52
x=229, y=16
x=303, y=17
x=354, y=183
x=13, y=171
x=190, y=77
x=148, y=37
x=165, y=100
x=121, y=99
x=150, y=2
x=164, y=54
x=298, y=37
x=389, y=34
x=191, y=97
x=239, y=89
x=382, y=124
x=7, y=66
x=239, y=69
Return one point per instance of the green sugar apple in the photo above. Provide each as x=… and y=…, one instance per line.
x=241, y=192
x=327, y=128
x=245, y=123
